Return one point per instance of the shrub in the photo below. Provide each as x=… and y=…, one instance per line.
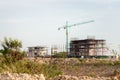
x=92, y=74
x=60, y=55
x=116, y=72
x=11, y=50
x=30, y=67
x=50, y=70
x=117, y=62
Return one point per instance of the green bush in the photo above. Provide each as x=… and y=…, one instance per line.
x=30, y=67
x=60, y=55
x=92, y=74
x=50, y=70
x=12, y=50
x=114, y=63
x=116, y=72
x=117, y=62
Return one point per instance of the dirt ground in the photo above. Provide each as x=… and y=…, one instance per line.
x=85, y=67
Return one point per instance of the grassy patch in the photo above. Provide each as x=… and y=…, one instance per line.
x=92, y=74
x=30, y=67
x=50, y=70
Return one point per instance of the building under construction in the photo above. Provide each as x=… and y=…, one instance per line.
x=37, y=51
x=90, y=47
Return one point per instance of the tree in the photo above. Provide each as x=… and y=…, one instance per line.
x=12, y=49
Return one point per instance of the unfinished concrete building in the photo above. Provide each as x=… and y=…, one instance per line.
x=37, y=51
x=87, y=48
x=54, y=50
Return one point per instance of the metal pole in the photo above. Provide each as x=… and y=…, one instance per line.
x=66, y=37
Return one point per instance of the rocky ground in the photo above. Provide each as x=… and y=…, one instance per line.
x=23, y=76
x=87, y=67
x=67, y=77
x=73, y=69
x=15, y=76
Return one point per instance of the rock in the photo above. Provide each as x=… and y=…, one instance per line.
x=73, y=78
x=65, y=77
x=117, y=77
x=6, y=76
x=69, y=77
x=21, y=76
x=41, y=77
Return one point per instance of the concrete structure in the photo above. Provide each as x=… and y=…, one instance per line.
x=37, y=51
x=54, y=50
x=87, y=48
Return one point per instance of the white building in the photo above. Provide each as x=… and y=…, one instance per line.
x=38, y=51
x=54, y=51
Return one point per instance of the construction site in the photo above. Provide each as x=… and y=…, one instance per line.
x=83, y=48
x=90, y=47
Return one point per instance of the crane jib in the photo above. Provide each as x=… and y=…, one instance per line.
x=66, y=27
x=81, y=23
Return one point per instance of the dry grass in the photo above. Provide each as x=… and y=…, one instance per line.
x=68, y=66
x=30, y=67
x=87, y=67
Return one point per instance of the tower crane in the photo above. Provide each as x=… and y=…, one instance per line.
x=68, y=26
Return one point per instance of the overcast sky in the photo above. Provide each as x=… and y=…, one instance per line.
x=36, y=22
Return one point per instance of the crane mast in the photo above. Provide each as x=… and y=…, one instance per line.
x=68, y=26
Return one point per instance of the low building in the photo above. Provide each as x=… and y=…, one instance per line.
x=87, y=47
x=54, y=50
x=37, y=51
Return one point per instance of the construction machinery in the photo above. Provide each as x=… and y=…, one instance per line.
x=68, y=26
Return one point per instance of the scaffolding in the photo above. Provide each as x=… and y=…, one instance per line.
x=88, y=47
